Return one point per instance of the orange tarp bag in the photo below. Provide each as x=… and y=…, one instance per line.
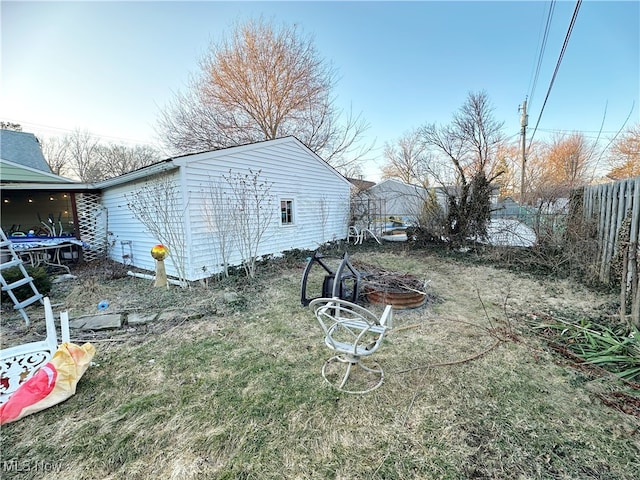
x=52, y=384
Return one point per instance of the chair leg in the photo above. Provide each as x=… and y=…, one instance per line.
x=364, y=379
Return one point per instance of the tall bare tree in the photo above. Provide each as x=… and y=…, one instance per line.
x=259, y=84
x=82, y=149
x=468, y=146
x=568, y=160
x=558, y=166
x=406, y=160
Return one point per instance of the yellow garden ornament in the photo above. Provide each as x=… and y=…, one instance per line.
x=159, y=253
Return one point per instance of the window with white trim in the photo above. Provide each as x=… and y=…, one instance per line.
x=286, y=211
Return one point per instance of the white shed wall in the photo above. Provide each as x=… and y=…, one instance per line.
x=293, y=173
x=320, y=197
x=123, y=226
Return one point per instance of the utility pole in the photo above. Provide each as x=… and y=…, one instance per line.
x=524, y=119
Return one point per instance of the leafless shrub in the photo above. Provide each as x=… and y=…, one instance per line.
x=158, y=206
x=251, y=199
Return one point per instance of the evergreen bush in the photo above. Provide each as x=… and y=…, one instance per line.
x=41, y=280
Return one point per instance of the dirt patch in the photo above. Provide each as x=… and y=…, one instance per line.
x=108, y=282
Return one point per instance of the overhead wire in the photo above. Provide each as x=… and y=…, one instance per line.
x=555, y=72
x=60, y=130
x=613, y=139
x=543, y=47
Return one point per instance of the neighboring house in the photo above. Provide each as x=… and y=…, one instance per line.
x=309, y=204
x=32, y=196
x=359, y=184
x=394, y=198
x=23, y=149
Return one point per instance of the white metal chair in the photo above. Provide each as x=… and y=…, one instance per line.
x=353, y=333
x=20, y=363
x=358, y=235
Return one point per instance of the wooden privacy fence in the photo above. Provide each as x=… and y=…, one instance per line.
x=608, y=206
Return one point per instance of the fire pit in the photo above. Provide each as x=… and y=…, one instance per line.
x=400, y=290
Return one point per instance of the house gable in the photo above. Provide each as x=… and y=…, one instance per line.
x=223, y=155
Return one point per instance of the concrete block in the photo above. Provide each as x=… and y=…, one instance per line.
x=97, y=322
x=140, y=318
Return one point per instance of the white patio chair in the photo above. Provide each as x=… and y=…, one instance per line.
x=20, y=363
x=358, y=235
x=354, y=234
x=353, y=333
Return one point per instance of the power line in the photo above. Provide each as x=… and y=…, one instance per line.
x=560, y=130
x=555, y=72
x=543, y=47
x=61, y=130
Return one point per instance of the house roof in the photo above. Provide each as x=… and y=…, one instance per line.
x=393, y=184
x=23, y=149
x=173, y=163
x=16, y=176
x=361, y=184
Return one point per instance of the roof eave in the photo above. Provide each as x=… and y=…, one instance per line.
x=63, y=187
x=141, y=173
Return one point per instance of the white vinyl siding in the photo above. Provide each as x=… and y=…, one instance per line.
x=123, y=226
x=320, y=202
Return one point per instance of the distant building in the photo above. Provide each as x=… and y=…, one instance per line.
x=393, y=201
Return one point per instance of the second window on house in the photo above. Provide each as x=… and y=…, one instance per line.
x=286, y=211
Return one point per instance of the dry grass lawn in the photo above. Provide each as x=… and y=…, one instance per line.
x=230, y=387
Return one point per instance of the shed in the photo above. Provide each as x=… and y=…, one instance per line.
x=305, y=200
x=399, y=201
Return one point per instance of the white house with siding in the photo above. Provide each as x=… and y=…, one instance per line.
x=308, y=204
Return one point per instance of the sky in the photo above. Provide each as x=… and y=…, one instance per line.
x=112, y=67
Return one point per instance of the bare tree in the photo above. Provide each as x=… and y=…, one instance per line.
x=508, y=160
x=407, y=160
x=251, y=199
x=120, y=159
x=80, y=154
x=568, y=160
x=82, y=149
x=55, y=153
x=557, y=167
x=259, y=84
x=468, y=147
x=158, y=206
x=624, y=154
